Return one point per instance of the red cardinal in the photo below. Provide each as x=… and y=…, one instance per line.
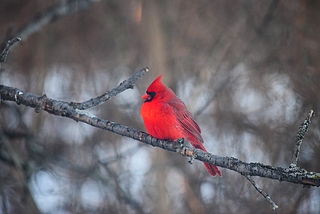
x=167, y=117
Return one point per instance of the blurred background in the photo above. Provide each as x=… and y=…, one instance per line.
x=249, y=71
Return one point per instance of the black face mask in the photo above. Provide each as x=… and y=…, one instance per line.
x=152, y=94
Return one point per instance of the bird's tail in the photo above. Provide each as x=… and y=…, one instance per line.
x=212, y=169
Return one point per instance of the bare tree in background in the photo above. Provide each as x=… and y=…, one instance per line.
x=247, y=70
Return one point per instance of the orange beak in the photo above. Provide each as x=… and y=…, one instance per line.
x=146, y=96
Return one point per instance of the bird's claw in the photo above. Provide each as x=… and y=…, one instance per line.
x=180, y=141
x=192, y=158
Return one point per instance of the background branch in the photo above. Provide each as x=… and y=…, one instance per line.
x=8, y=155
x=62, y=9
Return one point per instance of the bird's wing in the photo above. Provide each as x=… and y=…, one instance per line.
x=186, y=119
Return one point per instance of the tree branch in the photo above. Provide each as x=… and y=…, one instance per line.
x=64, y=109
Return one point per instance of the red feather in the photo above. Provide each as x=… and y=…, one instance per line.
x=167, y=117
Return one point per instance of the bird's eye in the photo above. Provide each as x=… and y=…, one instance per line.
x=152, y=94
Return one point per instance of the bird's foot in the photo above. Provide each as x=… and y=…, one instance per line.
x=192, y=158
x=180, y=141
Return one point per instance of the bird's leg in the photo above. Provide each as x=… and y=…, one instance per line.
x=192, y=158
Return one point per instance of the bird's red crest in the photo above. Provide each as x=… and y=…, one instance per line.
x=161, y=90
x=156, y=85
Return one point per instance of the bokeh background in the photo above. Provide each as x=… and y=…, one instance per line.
x=249, y=71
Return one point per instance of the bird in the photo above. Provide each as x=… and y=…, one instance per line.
x=166, y=117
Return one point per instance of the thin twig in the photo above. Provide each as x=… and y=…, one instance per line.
x=127, y=84
x=10, y=43
x=300, y=135
x=10, y=155
x=274, y=206
x=94, y=172
x=117, y=189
